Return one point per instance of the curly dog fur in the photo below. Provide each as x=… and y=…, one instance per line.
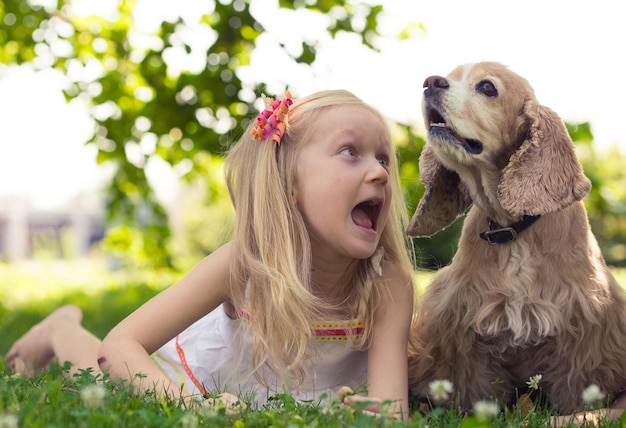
x=541, y=303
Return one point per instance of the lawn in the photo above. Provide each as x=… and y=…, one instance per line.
x=31, y=290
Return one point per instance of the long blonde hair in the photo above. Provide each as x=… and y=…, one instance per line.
x=272, y=268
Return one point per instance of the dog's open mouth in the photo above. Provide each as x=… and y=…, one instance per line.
x=437, y=126
x=366, y=214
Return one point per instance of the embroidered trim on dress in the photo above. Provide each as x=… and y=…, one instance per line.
x=183, y=361
x=334, y=331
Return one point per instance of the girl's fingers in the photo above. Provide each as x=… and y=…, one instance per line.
x=344, y=391
x=230, y=402
x=368, y=404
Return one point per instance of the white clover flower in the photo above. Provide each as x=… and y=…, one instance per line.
x=189, y=421
x=92, y=395
x=592, y=393
x=533, y=381
x=440, y=390
x=486, y=410
x=8, y=421
x=207, y=412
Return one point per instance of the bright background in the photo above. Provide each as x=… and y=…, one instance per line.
x=570, y=51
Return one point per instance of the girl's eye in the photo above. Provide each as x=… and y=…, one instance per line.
x=348, y=151
x=384, y=161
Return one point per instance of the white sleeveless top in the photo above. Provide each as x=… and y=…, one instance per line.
x=208, y=357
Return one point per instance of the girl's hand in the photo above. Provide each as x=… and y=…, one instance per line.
x=230, y=402
x=592, y=417
x=372, y=406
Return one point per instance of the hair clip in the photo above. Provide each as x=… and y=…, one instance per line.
x=272, y=119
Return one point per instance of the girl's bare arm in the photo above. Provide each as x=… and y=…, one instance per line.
x=387, y=357
x=125, y=351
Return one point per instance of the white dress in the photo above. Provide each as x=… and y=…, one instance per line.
x=208, y=357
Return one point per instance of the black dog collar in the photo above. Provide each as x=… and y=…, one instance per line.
x=498, y=234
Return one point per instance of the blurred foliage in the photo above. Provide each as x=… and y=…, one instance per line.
x=606, y=202
x=436, y=251
x=204, y=217
x=146, y=108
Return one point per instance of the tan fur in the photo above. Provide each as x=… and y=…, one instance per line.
x=544, y=303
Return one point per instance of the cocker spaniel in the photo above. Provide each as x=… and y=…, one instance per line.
x=528, y=291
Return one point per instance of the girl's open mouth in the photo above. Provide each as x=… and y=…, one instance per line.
x=366, y=214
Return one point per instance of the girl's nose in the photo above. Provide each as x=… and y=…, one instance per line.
x=378, y=172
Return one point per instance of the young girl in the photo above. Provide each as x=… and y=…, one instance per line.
x=314, y=293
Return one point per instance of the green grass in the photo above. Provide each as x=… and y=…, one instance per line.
x=30, y=291
x=53, y=400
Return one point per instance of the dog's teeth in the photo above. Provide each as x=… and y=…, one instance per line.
x=439, y=125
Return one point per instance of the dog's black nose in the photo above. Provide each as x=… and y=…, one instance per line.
x=435, y=84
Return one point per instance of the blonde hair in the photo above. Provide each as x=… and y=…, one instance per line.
x=272, y=268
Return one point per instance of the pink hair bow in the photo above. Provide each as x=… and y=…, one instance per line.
x=272, y=119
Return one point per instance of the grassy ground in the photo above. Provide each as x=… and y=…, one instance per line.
x=29, y=291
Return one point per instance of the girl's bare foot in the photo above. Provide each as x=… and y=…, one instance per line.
x=34, y=349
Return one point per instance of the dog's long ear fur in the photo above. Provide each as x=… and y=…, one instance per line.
x=543, y=175
x=444, y=200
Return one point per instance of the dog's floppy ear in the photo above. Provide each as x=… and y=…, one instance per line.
x=543, y=175
x=444, y=200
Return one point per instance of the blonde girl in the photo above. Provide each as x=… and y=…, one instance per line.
x=313, y=294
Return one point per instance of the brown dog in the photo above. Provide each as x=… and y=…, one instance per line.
x=528, y=291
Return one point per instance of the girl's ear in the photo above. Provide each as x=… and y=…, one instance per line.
x=444, y=200
x=543, y=175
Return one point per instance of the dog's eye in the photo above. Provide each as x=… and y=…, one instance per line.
x=487, y=88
